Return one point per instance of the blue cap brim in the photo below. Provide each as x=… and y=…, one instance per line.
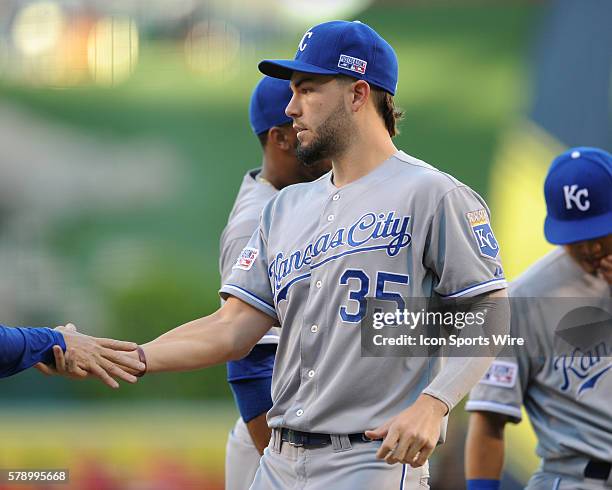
x=566, y=232
x=284, y=69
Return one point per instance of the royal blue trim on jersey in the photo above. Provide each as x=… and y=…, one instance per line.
x=469, y=289
x=252, y=296
x=21, y=348
x=282, y=294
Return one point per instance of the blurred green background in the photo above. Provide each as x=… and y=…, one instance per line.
x=124, y=137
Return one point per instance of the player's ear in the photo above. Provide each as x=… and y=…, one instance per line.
x=279, y=138
x=360, y=93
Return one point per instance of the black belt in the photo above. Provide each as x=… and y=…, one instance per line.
x=599, y=470
x=312, y=440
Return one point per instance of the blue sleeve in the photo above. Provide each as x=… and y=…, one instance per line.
x=251, y=381
x=21, y=348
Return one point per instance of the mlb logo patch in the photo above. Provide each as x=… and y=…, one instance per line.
x=352, y=64
x=246, y=259
x=487, y=243
x=501, y=373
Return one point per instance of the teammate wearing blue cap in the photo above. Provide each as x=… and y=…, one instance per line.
x=22, y=348
x=251, y=378
x=566, y=390
x=382, y=225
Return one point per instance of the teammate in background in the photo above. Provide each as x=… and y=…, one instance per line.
x=382, y=225
x=22, y=348
x=251, y=378
x=566, y=394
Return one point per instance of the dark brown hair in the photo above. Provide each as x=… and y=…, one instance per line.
x=385, y=106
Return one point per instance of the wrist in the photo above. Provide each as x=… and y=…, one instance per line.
x=142, y=358
x=438, y=406
x=482, y=484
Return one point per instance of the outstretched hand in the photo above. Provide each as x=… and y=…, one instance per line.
x=87, y=356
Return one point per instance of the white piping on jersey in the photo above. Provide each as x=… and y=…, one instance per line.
x=250, y=295
x=476, y=287
x=475, y=405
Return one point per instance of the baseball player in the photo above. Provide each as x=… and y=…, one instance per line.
x=22, y=348
x=566, y=388
x=381, y=225
x=251, y=378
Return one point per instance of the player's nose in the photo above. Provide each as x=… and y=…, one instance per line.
x=292, y=109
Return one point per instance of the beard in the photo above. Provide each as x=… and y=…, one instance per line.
x=333, y=137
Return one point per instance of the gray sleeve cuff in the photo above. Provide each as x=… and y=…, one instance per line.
x=514, y=413
x=249, y=298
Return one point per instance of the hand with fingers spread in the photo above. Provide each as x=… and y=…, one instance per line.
x=411, y=436
x=85, y=356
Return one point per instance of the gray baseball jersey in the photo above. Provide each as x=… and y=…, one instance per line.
x=405, y=229
x=243, y=220
x=566, y=391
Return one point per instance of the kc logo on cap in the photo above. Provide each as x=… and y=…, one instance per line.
x=578, y=191
x=574, y=196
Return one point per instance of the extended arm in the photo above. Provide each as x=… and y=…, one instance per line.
x=484, y=450
x=21, y=348
x=226, y=335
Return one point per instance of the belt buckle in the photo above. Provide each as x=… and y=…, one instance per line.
x=293, y=439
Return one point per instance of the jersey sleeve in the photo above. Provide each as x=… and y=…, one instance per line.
x=249, y=279
x=461, y=248
x=21, y=348
x=229, y=253
x=502, y=389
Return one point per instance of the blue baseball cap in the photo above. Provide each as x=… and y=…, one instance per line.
x=341, y=47
x=268, y=102
x=578, y=191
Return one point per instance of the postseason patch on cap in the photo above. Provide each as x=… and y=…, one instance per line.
x=352, y=64
x=501, y=373
x=246, y=259
x=479, y=221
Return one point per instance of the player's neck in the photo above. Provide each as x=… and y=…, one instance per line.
x=361, y=158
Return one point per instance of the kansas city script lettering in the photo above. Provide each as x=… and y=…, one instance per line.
x=370, y=227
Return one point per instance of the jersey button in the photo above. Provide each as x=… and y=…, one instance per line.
x=330, y=217
x=314, y=328
x=318, y=284
x=336, y=197
x=300, y=412
x=311, y=373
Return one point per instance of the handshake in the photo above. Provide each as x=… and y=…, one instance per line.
x=86, y=356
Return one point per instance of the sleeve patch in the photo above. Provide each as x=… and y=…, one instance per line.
x=246, y=259
x=501, y=373
x=481, y=228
